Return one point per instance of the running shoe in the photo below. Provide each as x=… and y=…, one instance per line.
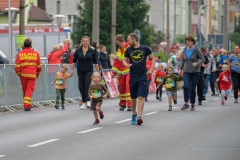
x=129, y=108
x=170, y=108
x=192, y=107
x=175, y=102
x=223, y=103
x=160, y=99
x=139, y=121
x=88, y=104
x=157, y=97
x=56, y=106
x=83, y=106
x=101, y=115
x=236, y=101
x=63, y=107
x=121, y=107
x=225, y=97
x=134, y=119
x=213, y=94
x=96, y=122
x=199, y=102
x=27, y=109
x=217, y=94
x=185, y=106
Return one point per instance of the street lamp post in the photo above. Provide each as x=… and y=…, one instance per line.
x=199, y=24
x=59, y=20
x=10, y=19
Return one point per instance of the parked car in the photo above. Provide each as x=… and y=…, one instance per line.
x=3, y=58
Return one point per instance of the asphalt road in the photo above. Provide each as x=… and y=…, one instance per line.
x=212, y=132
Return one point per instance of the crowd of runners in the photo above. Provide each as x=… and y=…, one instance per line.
x=135, y=66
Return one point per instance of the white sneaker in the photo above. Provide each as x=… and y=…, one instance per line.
x=83, y=106
x=88, y=104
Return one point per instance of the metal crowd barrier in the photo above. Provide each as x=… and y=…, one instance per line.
x=11, y=96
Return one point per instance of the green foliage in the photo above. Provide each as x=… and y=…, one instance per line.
x=130, y=16
x=157, y=37
x=179, y=39
x=163, y=56
x=235, y=37
x=233, y=44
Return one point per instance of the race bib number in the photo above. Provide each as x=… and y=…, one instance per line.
x=224, y=60
x=170, y=84
x=59, y=82
x=96, y=94
x=236, y=65
x=159, y=79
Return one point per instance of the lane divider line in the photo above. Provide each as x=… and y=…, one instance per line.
x=90, y=130
x=2, y=156
x=42, y=143
x=216, y=99
x=125, y=120
x=147, y=114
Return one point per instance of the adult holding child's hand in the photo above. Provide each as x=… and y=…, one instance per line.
x=85, y=57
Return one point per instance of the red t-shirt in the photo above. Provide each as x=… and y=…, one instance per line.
x=225, y=82
x=159, y=77
x=148, y=64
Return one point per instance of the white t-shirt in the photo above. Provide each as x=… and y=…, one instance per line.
x=175, y=63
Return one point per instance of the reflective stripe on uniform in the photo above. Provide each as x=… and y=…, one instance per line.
x=28, y=64
x=18, y=73
x=123, y=98
x=27, y=102
x=39, y=66
x=28, y=98
x=17, y=65
x=114, y=69
x=28, y=75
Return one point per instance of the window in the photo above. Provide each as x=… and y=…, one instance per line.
x=148, y=19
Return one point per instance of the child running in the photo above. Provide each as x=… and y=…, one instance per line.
x=159, y=75
x=61, y=78
x=225, y=82
x=96, y=95
x=171, y=85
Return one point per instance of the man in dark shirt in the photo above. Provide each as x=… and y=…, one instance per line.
x=137, y=54
x=200, y=81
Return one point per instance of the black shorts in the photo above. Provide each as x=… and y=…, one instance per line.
x=95, y=104
x=138, y=88
x=216, y=75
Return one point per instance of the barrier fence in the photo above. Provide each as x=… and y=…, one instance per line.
x=11, y=95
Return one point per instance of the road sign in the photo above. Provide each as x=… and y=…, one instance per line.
x=19, y=41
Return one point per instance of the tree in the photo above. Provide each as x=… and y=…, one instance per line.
x=235, y=37
x=157, y=37
x=130, y=16
x=179, y=39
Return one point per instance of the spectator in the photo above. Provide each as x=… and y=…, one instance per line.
x=191, y=61
x=84, y=57
x=104, y=58
x=174, y=52
x=66, y=55
x=96, y=47
x=55, y=56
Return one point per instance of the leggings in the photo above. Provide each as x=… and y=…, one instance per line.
x=224, y=93
x=159, y=90
x=85, y=79
x=148, y=83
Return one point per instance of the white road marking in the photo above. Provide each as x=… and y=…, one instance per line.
x=204, y=101
x=216, y=99
x=147, y=114
x=2, y=156
x=42, y=143
x=125, y=120
x=90, y=130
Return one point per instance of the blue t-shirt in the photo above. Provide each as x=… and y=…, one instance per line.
x=223, y=59
x=235, y=63
x=137, y=57
x=189, y=52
